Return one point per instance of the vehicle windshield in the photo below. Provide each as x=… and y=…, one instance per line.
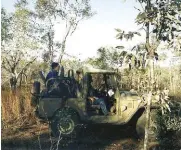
x=111, y=82
x=103, y=81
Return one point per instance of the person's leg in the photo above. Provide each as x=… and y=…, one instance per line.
x=102, y=104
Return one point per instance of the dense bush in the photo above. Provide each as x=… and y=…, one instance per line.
x=169, y=127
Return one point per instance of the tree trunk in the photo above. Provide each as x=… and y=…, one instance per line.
x=138, y=83
x=13, y=84
x=148, y=107
x=50, y=47
x=151, y=67
x=147, y=120
x=174, y=83
x=21, y=78
x=64, y=43
x=62, y=52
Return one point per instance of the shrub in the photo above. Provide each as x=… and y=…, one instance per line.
x=168, y=127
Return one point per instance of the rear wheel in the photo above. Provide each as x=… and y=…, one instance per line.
x=65, y=123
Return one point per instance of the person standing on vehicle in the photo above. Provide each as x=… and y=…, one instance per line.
x=54, y=84
x=53, y=74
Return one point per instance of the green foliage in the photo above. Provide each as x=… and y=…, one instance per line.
x=70, y=10
x=108, y=58
x=123, y=35
x=136, y=79
x=164, y=17
x=17, y=51
x=161, y=16
x=168, y=126
x=5, y=25
x=72, y=63
x=114, y=58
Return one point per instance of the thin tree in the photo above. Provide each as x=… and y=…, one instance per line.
x=68, y=12
x=17, y=49
x=162, y=18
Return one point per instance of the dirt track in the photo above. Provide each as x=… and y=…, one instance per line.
x=92, y=138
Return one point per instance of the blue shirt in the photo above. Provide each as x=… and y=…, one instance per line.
x=51, y=74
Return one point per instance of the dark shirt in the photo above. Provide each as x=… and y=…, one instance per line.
x=51, y=74
x=92, y=92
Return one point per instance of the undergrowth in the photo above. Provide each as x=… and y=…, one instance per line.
x=169, y=127
x=16, y=109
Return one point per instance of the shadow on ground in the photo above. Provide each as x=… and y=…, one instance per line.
x=91, y=138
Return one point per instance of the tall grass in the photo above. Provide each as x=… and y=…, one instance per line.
x=16, y=108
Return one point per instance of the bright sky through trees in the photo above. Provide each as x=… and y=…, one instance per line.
x=99, y=30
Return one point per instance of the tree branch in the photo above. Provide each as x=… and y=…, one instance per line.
x=4, y=66
x=141, y=6
x=25, y=67
x=75, y=27
x=63, y=43
x=10, y=66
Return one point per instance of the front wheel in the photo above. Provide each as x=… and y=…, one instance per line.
x=65, y=123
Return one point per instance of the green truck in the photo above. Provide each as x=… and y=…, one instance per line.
x=66, y=114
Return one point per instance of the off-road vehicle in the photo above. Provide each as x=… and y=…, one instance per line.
x=66, y=111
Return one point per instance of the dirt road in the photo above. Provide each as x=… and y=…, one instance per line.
x=92, y=138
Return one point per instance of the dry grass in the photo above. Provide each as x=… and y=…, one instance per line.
x=16, y=109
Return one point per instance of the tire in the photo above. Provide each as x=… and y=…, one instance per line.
x=141, y=123
x=65, y=123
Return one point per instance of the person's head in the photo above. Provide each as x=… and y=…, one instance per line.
x=55, y=66
x=79, y=75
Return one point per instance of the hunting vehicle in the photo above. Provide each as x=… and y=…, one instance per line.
x=65, y=113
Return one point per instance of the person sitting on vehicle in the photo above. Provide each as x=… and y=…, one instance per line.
x=96, y=100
